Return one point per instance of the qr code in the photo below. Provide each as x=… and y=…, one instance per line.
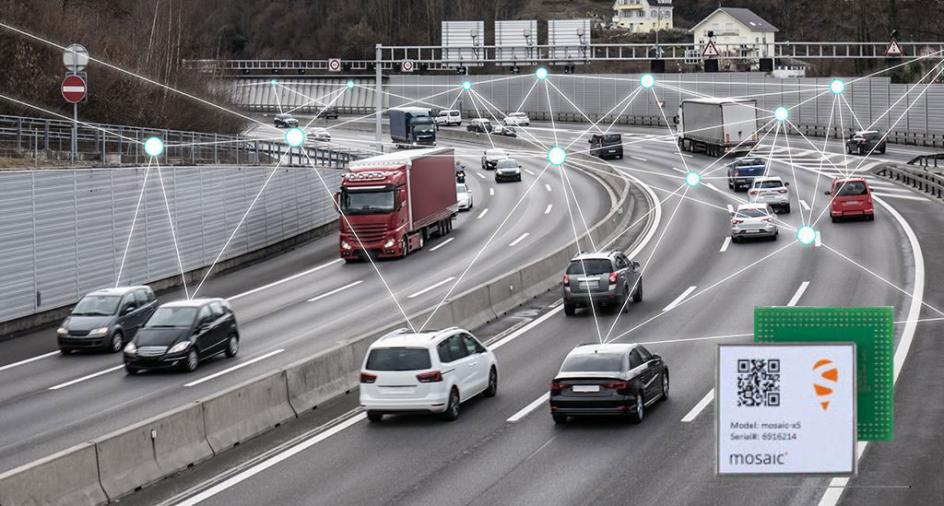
x=758, y=382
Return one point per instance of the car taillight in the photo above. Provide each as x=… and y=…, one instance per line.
x=769, y=219
x=783, y=190
x=368, y=378
x=613, y=277
x=737, y=222
x=557, y=387
x=429, y=377
x=617, y=385
x=566, y=279
x=753, y=192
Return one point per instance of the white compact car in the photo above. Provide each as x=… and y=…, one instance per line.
x=753, y=220
x=319, y=134
x=464, y=195
x=426, y=372
x=770, y=190
x=449, y=117
x=517, y=119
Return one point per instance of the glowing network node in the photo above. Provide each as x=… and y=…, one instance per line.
x=154, y=146
x=806, y=235
x=837, y=86
x=295, y=137
x=781, y=114
x=466, y=85
x=647, y=81
x=541, y=73
x=350, y=84
x=556, y=156
x=274, y=82
x=693, y=179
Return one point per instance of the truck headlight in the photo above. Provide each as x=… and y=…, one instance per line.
x=62, y=331
x=345, y=246
x=101, y=331
x=131, y=349
x=389, y=243
x=179, y=347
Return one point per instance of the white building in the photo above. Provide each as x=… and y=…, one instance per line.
x=642, y=16
x=737, y=32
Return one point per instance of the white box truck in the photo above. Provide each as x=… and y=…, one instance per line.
x=717, y=126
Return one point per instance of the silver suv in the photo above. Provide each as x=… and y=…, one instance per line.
x=772, y=191
x=605, y=278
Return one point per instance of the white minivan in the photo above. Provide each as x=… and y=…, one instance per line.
x=426, y=372
x=450, y=117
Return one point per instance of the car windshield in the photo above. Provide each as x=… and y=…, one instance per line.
x=423, y=128
x=612, y=138
x=507, y=163
x=768, y=184
x=97, y=305
x=367, y=202
x=461, y=188
x=172, y=317
x=852, y=188
x=398, y=359
x=595, y=362
x=751, y=213
x=750, y=170
x=590, y=267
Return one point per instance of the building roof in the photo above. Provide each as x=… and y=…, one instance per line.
x=746, y=17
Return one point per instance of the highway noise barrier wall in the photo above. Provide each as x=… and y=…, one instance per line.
x=119, y=463
x=64, y=231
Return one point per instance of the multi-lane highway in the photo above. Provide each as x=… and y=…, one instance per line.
x=700, y=291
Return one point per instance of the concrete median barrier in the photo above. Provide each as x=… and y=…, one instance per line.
x=146, y=452
x=473, y=308
x=67, y=478
x=246, y=410
x=321, y=378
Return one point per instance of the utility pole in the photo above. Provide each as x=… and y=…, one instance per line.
x=378, y=98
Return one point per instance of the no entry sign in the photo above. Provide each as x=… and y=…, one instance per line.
x=73, y=89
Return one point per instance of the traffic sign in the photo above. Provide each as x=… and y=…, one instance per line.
x=73, y=89
x=894, y=49
x=711, y=51
x=75, y=57
x=406, y=66
x=334, y=64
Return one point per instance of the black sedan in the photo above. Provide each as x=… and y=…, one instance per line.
x=182, y=333
x=866, y=142
x=608, y=379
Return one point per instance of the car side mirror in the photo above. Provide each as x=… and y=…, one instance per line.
x=635, y=265
x=786, y=184
x=128, y=309
x=656, y=357
x=827, y=192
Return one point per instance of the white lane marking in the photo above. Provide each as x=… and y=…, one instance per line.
x=28, y=360
x=432, y=287
x=294, y=276
x=274, y=460
x=535, y=404
x=638, y=158
x=819, y=239
x=806, y=207
x=491, y=191
x=837, y=485
x=713, y=187
x=336, y=290
x=799, y=293
x=702, y=404
x=678, y=300
x=529, y=172
x=83, y=378
x=901, y=197
x=479, y=174
x=519, y=239
x=440, y=245
x=548, y=209
x=547, y=187
x=893, y=189
x=484, y=211
x=234, y=368
x=730, y=209
x=725, y=244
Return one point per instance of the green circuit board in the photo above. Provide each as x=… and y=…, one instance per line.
x=870, y=328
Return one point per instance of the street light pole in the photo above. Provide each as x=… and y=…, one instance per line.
x=378, y=98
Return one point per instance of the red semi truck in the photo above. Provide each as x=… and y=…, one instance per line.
x=391, y=204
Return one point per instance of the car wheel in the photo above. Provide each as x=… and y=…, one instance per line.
x=665, y=386
x=374, y=416
x=131, y=370
x=882, y=151
x=559, y=418
x=640, y=412
x=870, y=217
x=492, y=389
x=452, y=409
x=570, y=309
x=637, y=297
x=66, y=351
x=192, y=361
x=835, y=219
x=117, y=342
x=405, y=246
x=232, y=346
x=861, y=151
x=786, y=209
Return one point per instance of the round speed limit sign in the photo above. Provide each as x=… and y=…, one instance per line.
x=334, y=65
x=406, y=66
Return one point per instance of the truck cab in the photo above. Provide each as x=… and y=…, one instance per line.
x=412, y=127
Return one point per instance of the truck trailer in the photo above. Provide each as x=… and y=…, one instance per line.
x=392, y=204
x=717, y=126
x=412, y=127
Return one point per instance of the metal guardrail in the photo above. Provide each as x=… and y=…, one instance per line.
x=439, y=57
x=934, y=160
x=49, y=139
x=919, y=178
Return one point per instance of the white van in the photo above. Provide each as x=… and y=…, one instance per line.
x=450, y=117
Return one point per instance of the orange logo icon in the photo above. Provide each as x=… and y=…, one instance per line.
x=828, y=372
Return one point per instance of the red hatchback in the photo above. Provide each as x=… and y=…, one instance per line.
x=851, y=197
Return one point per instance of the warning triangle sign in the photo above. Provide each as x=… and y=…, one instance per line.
x=894, y=49
x=710, y=50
